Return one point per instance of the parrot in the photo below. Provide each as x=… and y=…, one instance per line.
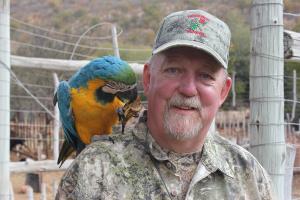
x=89, y=101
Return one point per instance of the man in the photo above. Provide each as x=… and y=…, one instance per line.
x=170, y=154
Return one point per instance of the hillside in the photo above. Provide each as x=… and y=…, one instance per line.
x=137, y=21
x=50, y=28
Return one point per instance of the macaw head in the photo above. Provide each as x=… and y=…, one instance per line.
x=124, y=92
x=117, y=79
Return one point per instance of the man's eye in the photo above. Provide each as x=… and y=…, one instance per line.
x=172, y=71
x=205, y=76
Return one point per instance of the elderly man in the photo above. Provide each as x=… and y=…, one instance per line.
x=170, y=153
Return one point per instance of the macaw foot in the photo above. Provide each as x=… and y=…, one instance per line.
x=123, y=127
x=121, y=114
x=102, y=138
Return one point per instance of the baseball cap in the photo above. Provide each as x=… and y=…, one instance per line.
x=197, y=29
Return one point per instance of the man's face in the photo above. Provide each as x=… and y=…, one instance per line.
x=184, y=88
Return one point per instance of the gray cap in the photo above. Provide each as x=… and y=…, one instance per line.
x=194, y=28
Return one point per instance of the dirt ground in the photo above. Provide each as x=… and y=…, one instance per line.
x=18, y=181
x=49, y=178
x=296, y=186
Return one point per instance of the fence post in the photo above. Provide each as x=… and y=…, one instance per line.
x=44, y=192
x=288, y=125
x=54, y=188
x=294, y=94
x=267, y=139
x=233, y=90
x=11, y=189
x=291, y=154
x=4, y=99
x=115, y=40
x=56, y=123
x=29, y=192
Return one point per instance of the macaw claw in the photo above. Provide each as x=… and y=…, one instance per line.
x=129, y=110
x=121, y=114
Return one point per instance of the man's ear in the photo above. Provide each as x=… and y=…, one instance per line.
x=146, y=78
x=225, y=90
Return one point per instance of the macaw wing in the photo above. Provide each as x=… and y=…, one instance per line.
x=66, y=115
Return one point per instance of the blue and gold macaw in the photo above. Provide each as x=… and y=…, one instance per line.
x=89, y=101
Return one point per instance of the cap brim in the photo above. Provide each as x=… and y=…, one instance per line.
x=196, y=45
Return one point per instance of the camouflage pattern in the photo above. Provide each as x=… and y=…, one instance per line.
x=133, y=166
x=197, y=29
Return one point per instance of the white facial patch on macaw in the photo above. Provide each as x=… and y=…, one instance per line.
x=114, y=87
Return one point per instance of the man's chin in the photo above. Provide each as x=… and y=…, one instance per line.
x=182, y=127
x=182, y=136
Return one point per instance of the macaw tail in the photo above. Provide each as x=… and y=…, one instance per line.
x=54, y=99
x=65, y=151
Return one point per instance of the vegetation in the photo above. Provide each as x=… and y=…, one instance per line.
x=138, y=21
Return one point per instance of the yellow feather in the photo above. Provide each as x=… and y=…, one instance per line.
x=92, y=118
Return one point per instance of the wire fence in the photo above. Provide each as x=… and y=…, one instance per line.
x=43, y=42
x=32, y=92
x=31, y=98
x=35, y=123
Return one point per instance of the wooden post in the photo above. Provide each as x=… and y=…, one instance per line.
x=291, y=153
x=233, y=90
x=58, y=64
x=115, y=40
x=12, y=196
x=29, y=192
x=267, y=141
x=43, y=192
x=56, y=123
x=54, y=188
x=4, y=99
x=294, y=94
x=288, y=125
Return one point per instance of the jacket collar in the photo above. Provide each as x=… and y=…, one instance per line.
x=214, y=155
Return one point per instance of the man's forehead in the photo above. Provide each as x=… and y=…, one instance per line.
x=176, y=54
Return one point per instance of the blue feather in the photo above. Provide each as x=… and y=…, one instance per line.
x=105, y=68
x=64, y=100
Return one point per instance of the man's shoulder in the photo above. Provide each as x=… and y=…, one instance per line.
x=240, y=160
x=116, y=144
x=113, y=151
x=244, y=165
x=112, y=161
x=236, y=154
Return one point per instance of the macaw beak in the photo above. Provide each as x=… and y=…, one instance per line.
x=128, y=96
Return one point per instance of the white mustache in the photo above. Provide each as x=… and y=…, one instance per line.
x=179, y=100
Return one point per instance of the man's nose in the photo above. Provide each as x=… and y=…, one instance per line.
x=188, y=86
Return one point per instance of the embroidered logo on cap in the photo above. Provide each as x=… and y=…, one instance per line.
x=196, y=24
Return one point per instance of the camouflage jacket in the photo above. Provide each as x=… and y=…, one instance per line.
x=131, y=166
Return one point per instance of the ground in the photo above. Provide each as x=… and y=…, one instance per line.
x=296, y=186
x=19, y=188
x=49, y=178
